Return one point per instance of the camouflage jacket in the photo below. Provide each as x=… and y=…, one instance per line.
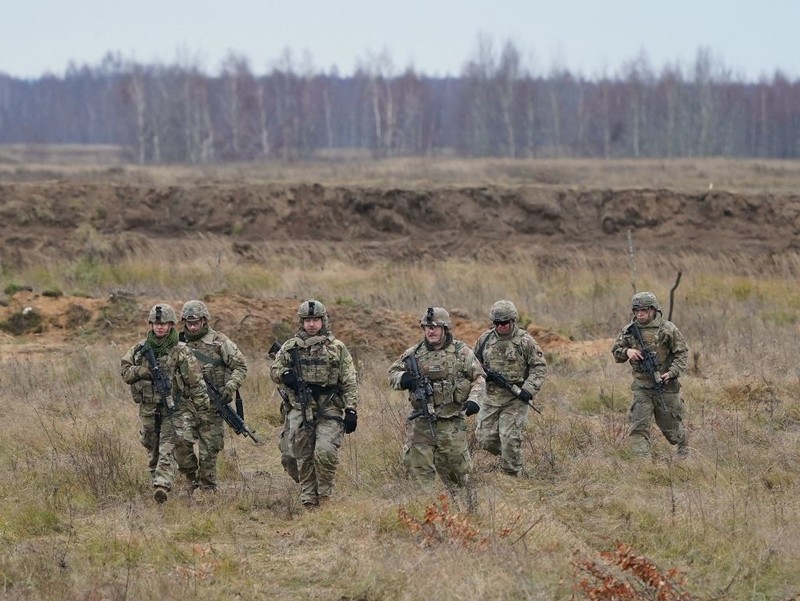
x=327, y=368
x=455, y=373
x=517, y=357
x=220, y=359
x=185, y=375
x=665, y=340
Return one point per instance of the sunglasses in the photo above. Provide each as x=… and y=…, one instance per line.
x=502, y=323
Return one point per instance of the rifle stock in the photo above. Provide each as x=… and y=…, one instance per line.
x=229, y=415
x=273, y=349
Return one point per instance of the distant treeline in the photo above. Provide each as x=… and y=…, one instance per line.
x=495, y=108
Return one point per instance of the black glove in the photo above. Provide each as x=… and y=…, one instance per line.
x=350, y=421
x=408, y=381
x=289, y=378
x=526, y=396
x=470, y=408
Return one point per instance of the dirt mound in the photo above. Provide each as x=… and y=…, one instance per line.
x=45, y=323
x=40, y=221
x=56, y=219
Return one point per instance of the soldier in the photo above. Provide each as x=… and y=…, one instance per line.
x=449, y=385
x=224, y=364
x=318, y=379
x=171, y=408
x=288, y=462
x=511, y=352
x=657, y=391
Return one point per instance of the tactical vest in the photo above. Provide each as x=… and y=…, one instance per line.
x=506, y=356
x=142, y=390
x=208, y=352
x=445, y=370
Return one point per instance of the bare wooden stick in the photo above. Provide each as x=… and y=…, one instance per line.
x=672, y=294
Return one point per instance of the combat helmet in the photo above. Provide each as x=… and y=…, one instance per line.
x=313, y=308
x=162, y=313
x=503, y=310
x=194, y=310
x=645, y=300
x=436, y=316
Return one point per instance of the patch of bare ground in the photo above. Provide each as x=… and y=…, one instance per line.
x=55, y=323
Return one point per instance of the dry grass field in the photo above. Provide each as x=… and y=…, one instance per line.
x=89, y=246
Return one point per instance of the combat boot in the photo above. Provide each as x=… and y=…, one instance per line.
x=160, y=495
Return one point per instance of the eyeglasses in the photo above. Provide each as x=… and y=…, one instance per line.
x=505, y=322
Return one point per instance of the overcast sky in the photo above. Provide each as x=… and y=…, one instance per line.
x=591, y=37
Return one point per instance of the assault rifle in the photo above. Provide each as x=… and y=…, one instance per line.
x=422, y=394
x=162, y=385
x=301, y=390
x=499, y=379
x=229, y=415
x=650, y=363
x=503, y=382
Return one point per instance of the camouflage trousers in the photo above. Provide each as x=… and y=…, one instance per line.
x=499, y=431
x=669, y=418
x=446, y=455
x=288, y=461
x=211, y=437
x=150, y=433
x=176, y=446
x=315, y=448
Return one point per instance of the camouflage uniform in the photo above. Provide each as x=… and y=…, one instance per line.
x=178, y=425
x=310, y=441
x=151, y=411
x=515, y=355
x=225, y=365
x=288, y=460
x=663, y=338
x=456, y=378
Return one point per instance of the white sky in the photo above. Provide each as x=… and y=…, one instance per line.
x=752, y=38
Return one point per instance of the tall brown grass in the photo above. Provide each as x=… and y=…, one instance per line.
x=77, y=520
x=105, y=163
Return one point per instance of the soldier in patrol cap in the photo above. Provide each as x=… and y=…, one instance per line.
x=655, y=393
x=317, y=379
x=172, y=398
x=450, y=382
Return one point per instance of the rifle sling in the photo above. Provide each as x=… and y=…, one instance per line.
x=493, y=383
x=208, y=360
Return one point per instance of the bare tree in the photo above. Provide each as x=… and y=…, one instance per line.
x=508, y=74
x=136, y=93
x=379, y=71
